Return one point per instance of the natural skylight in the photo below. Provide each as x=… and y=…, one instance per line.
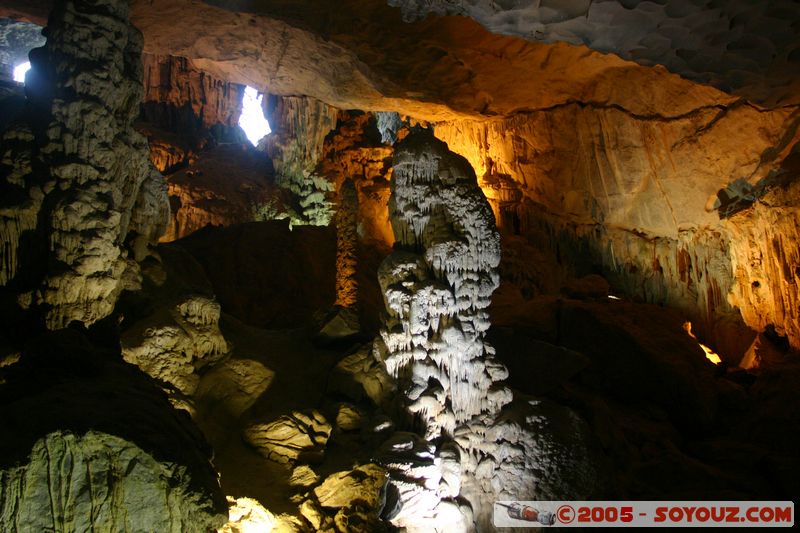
x=252, y=120
x=20, y=70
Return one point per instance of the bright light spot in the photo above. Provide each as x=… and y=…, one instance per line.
x=20, y=70
x=711, y=355
x=612, y=297
x=252, y=120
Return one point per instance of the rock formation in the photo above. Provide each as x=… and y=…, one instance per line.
x=346, y=243
x=72, y=155
x=553, y=165
x=300, y=436
x=39, y=496
x=224, y=185
x=90, y=442
x=640, y=200
x=173, y=344
x=437, y=287
x=355, y=150
x=299, y=126
x=738, y=46
x=185, y=110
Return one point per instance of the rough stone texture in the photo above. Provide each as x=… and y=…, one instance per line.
x=349, y=417
x=99, y=482
x=16, y=40
x=437, y=286
x=765, y=262
x=180, y=97
x=360, y=375
x=175, y=342
x=232, y=387
x=303, y=476
x=73, y=154
x=643, y=197
x=299, y=127
x=536, y=451
x=417, y=478
x=246, y=515
x=89, y=441
x=436, y=300
x=186, y=111
x=353, y=54
x=750, y=48
x=226, y=185
x=654, y=174
x=364, y=486
x=346, y=246
x=354, y=150
x=300, y=436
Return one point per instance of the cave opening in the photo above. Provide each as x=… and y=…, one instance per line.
x=252, y=119
x=20, y=71
x=362, y=265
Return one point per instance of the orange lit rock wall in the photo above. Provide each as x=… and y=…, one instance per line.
x=765, y=253
x=354, y=150
x=346, y=246
x=182, y=106
x=174, y=82
x=227, y=185
x=637, y=193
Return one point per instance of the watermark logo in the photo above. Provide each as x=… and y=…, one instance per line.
x=525, y=513
x=644, y=514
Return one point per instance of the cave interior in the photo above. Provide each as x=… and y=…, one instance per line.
x=375, y=265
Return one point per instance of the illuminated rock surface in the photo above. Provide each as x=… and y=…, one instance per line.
x=73, y=415
x=436, y=300
x=173, y=344
x=295, y=437
x=151, y=496
x=73, y=154
x=299, y=127
x=604, y=208
x=747, y=47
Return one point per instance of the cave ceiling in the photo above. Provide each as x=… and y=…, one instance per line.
x=500, y=59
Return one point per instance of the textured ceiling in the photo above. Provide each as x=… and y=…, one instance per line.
x=748, y=47
x=362, y=54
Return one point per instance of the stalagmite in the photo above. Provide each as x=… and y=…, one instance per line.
x=438, y=285
x=79, y=189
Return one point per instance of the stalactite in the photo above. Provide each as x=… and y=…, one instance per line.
x=438, y=210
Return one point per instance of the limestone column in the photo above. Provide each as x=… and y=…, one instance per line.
x=82, y=200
